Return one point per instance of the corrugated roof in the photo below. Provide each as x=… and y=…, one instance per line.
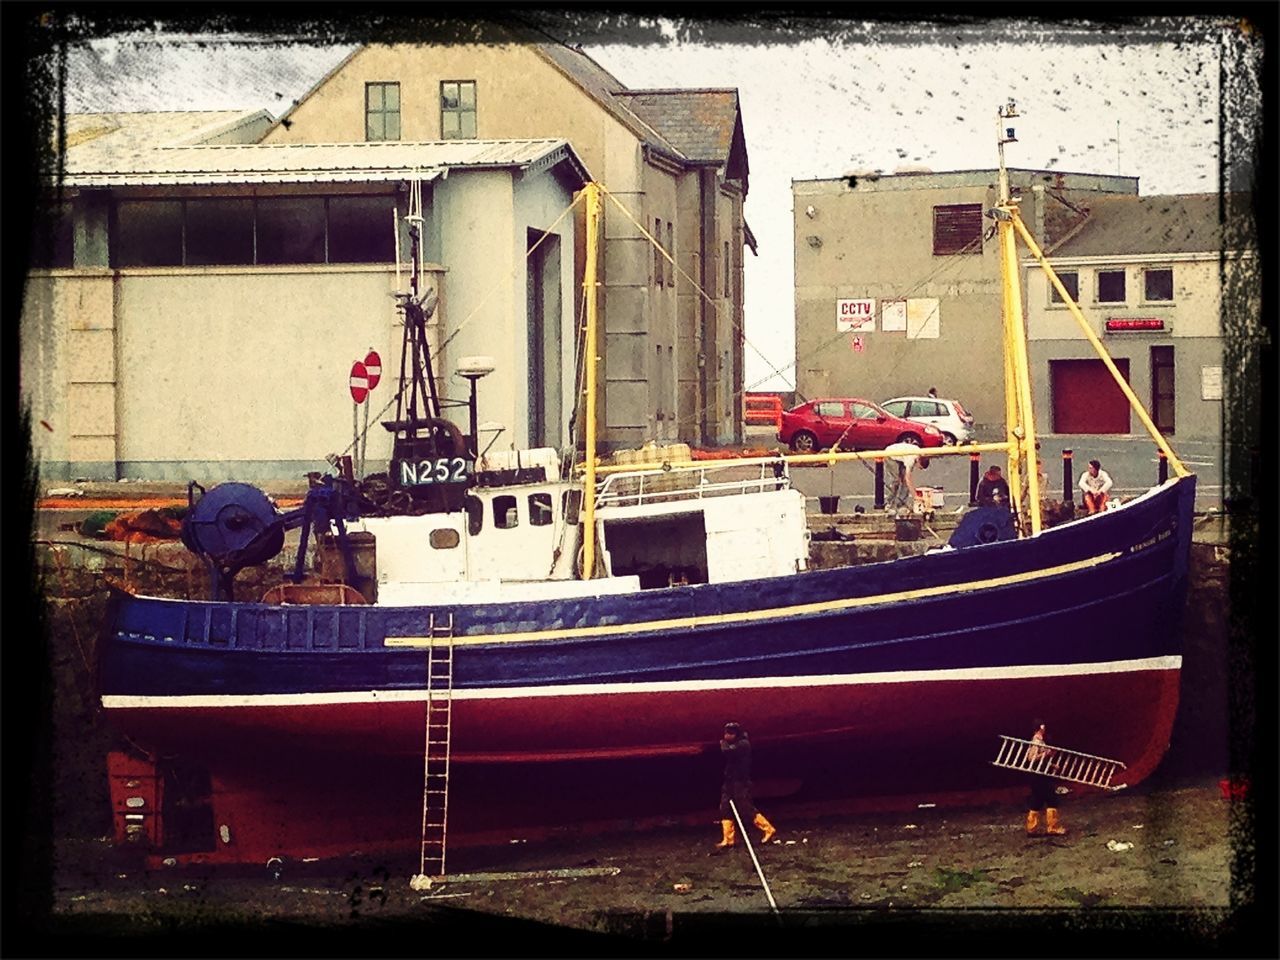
x=1128, y=225
x=699, y=123
x=110, y=134
x=292, y=163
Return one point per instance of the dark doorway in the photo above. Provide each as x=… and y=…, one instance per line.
x=1162, y=399
x=1085, y=397
x=543, y=314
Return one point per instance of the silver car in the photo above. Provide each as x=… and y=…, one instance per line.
x=947, y=415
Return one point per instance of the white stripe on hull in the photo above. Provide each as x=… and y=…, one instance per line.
x=1021, y=672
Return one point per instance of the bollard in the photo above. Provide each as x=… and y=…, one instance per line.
x=879, y=484
x=973, y=478
x=1164, y=465
x=1068, y=488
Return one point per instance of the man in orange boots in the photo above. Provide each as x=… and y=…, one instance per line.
x=736, y=749
x=1043, y=788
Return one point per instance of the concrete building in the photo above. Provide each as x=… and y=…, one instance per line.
x=674, y=163
x=197, y=303
x=898, y=280
x=1146, y=272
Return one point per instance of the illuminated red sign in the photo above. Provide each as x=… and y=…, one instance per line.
x=1128, y=325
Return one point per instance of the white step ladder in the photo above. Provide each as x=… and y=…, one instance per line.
x=435, y=767
x=1057, y=762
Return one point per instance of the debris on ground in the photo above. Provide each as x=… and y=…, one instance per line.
x=1118, y=846
x=145, y=526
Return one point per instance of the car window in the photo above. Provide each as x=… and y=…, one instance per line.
x=864, y=411
x=927, y=408
x=829, y=408
x=897, y=407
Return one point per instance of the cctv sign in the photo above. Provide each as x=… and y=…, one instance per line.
x=855, y=315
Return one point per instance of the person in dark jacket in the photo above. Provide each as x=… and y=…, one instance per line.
x=993, y=489
x=736, y=749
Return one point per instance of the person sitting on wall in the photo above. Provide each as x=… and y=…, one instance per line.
x=1095, y=482
x=933, y=392
x=993, y=489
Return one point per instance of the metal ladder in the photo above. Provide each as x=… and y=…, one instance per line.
x=1059, y=763
x=435, y=763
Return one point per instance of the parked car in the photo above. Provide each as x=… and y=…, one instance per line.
x=857, y=425
x=947, y=415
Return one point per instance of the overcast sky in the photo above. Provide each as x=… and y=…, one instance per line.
x=1140, y=101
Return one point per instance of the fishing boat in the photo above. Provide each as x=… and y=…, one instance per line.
x=506, y=634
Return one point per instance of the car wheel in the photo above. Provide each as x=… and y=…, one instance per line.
x=909, y=438
x=948, y=440
x=804, y=442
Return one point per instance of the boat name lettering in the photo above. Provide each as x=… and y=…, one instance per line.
x=440, y=470
x=1151, y=541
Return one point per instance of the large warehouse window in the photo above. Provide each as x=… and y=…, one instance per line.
x=382, y=111
x=360, y=230
x=291, y=230
x=148, y=233
x=219, y=232
x=52, y=236
x=458, y=110
x=957, y=228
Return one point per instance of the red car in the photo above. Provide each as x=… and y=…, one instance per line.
x=855, y=424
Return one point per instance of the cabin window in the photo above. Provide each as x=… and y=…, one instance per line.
x=957, y=228
x=505, y=512
x=1157, y=285
x=475, y=514
x=360, y=230
x=443, y=538
x=1111, y=286
x=458, y=110
x=539, y=509
x=148, y=233
x=291, y=230
x=382, y=111
x=52, y=236
x=219, y=232
x=1071, y=280
x=571, y=502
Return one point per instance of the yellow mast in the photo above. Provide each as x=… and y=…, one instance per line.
x=590, y=290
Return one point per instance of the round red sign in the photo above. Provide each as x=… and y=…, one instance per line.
x=373, y=367
x=359, y=382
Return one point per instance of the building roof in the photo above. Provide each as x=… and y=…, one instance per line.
x=1128, y=225
x=699, y=123
x=309, y=163
x=116, y=134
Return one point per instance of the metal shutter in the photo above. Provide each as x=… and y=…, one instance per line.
x=957, y=228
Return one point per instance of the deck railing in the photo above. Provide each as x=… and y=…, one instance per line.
x=718, y=479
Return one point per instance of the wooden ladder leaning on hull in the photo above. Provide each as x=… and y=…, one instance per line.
x=435, y=760
x=1057, y=762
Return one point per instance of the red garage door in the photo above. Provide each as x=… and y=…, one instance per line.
x=1086, y=399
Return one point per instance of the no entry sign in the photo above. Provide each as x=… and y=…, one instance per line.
x=359, y=382
x=373, y=368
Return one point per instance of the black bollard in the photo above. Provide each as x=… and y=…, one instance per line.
x=974, y=458
x=1068, y=490
x=879, y=484
x=1164, y=466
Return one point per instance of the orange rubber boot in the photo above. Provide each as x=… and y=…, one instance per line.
x=1033, y=822
x=726, y=827
x=766, y=826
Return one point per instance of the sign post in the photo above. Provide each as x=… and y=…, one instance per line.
x=359, y=384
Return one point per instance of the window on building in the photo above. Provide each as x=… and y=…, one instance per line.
x=148, y=233
x=657, y=252
x=539, y=509
x=291, y=230
x=458, y=110
x=382, y=111
x=1071, y=280
x=52, y=237
x=219, y=232
x=360, y=230
x=1157, y=284
x=957, y=228
x=1111, y=286
x=728, y=272
x=671, y=249
x=505, y=512
x=659, y=377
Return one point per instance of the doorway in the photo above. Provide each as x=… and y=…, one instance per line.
x=1085, y=397
x=1162, y=393
x=542, y=310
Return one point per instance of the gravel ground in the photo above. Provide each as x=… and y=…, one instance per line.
x=964, y=868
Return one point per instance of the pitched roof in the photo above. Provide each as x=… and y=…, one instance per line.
x=117, y=135
x=699, y=123
x=311, y=163
x=1127, y=225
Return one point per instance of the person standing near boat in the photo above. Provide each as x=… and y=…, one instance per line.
x=1043, y=789
x=904, y=456
x=1095, y=482
x=735, y=747
x=993, y=489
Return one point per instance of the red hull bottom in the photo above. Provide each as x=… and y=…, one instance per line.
x=332, y=779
